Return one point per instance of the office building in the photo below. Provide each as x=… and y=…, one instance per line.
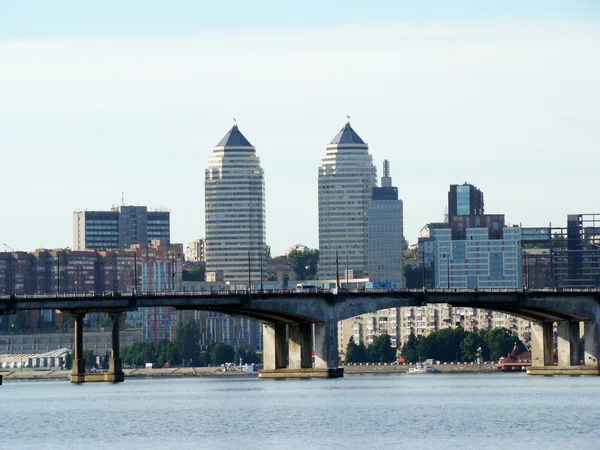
x=346, y=180
x=235, y=211
x=478, y=261
x=465, y=200
x=386, y=236
x=119, y=228
x=195, y=252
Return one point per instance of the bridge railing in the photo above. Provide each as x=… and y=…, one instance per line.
x=291, y=292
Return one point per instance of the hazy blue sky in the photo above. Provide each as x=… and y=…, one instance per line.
x=99, y=98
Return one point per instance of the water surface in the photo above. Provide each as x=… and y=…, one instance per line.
x=471, y=411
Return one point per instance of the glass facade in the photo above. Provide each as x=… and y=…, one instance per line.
x=478, y=262
x=463, y=200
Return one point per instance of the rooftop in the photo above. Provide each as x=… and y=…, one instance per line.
x=234, y=138
x=347, y=135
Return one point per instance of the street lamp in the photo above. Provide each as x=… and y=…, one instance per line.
x=249, y=274
x=12, y=266
x=448, y=267
x=347, y=268
x=337, y=270
x=448, y=260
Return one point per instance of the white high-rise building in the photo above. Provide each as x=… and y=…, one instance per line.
x=346, y=178
x=235, y=211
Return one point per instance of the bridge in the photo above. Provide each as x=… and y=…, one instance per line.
x=305, y=320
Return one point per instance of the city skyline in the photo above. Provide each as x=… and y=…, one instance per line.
x=504, y=101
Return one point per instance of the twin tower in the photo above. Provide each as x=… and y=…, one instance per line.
x=235, y=238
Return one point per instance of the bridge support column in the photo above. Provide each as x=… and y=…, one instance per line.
x=542, y=344
x=300, y=346
x=568, y=344
x=326, y=347
x=591, y=338
x=115, y=365
x=78, y=371
x=274, y=346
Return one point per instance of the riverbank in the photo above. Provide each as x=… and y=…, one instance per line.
x=349, y=370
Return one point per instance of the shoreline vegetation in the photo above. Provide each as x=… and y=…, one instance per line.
x=349, y=370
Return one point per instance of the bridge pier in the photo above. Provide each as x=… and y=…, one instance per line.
x=591, y=343
x=78, y=371
x=542, y=344
x=569, y=358
x=300, y=346
x=274, y=341
x=115, y=368
x=300, y=338
x=568, y=344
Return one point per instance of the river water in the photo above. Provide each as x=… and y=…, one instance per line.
x=470, y=411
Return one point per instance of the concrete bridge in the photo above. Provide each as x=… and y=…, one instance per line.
x=307, y=320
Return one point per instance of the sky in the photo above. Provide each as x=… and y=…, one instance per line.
x=111, y=99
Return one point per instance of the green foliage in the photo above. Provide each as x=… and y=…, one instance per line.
x=442, y=345
x=140, y=353
x=500, y=342
x=410, y=350
x=19, y=322
x=68, y=361
x=196, y=273
x=105, y=321
x=470, y=346
x=221, y=353
x=454, y=345
x=304, y=264
x=90, y=359
x=187, y=342
x=247, y=356
x=381, y=349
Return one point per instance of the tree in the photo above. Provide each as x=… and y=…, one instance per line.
x=188, y=342
x=470, y=346
x=221, y=353
x=442, y=345
x=500, y=342
x=246, y=356
x=350, y=351
x=356, y=353
x=409, y=349
x=304, y=264
x=19, y=321
x=90, y=359
x=68, y=361
x=196, y=273
x=381, y=349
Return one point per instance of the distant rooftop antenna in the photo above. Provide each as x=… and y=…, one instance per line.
x=386, y=179
x=348, y=118
x=122, y=198
x=234, y=122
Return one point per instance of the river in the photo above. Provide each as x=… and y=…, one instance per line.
x=470, y=411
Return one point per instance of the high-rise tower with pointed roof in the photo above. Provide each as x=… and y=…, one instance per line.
x=346, y=178
x=235, y=211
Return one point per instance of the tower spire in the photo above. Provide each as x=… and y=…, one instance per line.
x=386, y=179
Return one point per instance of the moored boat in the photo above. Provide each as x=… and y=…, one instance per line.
x=422, y=368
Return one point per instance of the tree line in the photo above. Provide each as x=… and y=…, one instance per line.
x=458, y=345
x=380, y=350
x=447, y=345
x=185, y=350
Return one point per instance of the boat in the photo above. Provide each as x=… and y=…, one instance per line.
x=422, y=368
